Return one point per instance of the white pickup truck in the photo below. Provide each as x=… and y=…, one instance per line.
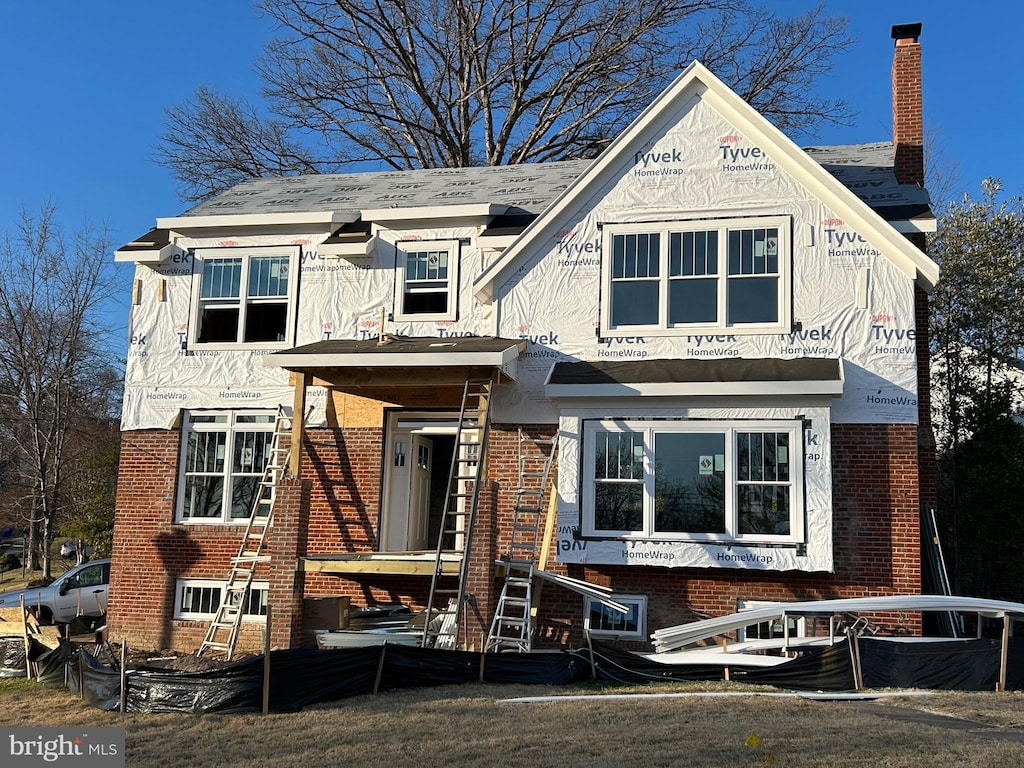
x=82, y=591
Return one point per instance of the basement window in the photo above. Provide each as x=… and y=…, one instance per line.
x=426, y=280
x=198, y=600
x=243, y=296
x=223, y=456
x=601, y=620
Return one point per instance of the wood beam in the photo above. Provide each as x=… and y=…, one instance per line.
x=302, y=382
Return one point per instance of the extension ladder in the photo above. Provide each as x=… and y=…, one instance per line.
x=512, y=625
x=222, y=634
x=445, y=603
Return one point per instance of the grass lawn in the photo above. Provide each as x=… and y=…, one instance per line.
x=472, y=725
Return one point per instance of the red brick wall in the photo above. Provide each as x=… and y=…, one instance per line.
x=907, y=112
x=875, y=496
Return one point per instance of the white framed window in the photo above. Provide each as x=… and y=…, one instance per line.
x=243, y=296
x=198, y=600
x=223, y=456
x=794, y=626
x=693, y=480
x=601, y=620
x=426, y=279
x=678, y=278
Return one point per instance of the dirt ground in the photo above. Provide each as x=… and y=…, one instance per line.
x=476, y=725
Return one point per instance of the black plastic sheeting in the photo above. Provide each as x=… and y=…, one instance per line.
x=961, y=665
x=299, y=678
x=12, y=656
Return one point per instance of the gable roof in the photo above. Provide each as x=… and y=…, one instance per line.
x=696, y=81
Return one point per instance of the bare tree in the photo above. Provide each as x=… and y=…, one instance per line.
x=54, y=374
x=453, y=83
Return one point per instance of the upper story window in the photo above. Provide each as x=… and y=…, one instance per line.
x=426, y=280
x=693, y=277
x=694, y=481
x=223, y=455
x=244, y=296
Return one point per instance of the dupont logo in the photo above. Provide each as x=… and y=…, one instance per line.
x=92, y=748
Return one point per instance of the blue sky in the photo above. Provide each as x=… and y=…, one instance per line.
x=85, y=85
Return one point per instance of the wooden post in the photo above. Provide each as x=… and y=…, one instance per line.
x=266, y=664
x=482, y=657
x=1004, y=653
x=302, y=381
x=24, y=634
x=124, y=676
x=380, y=666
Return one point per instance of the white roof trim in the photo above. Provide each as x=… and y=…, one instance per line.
x=232, y=220
x=428, y=212
x=395, y=360
x=697, y=389
x=349, y=250
x=150, y=257
x=698, y=79
x=923, y=225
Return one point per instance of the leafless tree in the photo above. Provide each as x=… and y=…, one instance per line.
x=54, y=373
x=453, y=83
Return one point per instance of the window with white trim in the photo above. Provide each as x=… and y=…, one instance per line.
x=694, y=480
x=604, y=621
x=223, y=455
x=198, y=600
x=426, y=280
x=244, y=296
x=701, y=276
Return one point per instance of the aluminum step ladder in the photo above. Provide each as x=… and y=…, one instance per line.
x=445, y=602
x=512, y=625
x=222, y=634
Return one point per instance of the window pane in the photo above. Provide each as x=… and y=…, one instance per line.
x=753, y=300
x=618, y=506
x=221, y=278
x=266, y=322
x=425, y=303
x=689, y=482
x=618, y=456
x=764, y=509
x=205, y=452
x=605, y=619
x=634, y=303
x=692, y=301
x=218, y=324
x=268, y=276
x=203, y=497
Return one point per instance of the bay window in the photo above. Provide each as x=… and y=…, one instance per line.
x=694, y=480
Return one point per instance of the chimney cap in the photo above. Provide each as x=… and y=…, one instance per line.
x=904, y=31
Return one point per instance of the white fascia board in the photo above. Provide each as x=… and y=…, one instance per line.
x=697, y=389
x=236, y=220
x=904, y=255
x=922, y=225
x=501, y=359
x=434, y=212
x=696, y=77
x=348, y=250
x=496, y=243
x=151, y=257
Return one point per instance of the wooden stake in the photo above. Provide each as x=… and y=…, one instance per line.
x=1004, y=654
x=24, y=634
x=380, y=666
x=266, y=664
x=124, y=676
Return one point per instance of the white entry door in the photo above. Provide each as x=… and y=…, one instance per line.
x=419, y=492
x=407, y=516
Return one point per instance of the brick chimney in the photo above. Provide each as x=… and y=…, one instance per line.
x=907, y=111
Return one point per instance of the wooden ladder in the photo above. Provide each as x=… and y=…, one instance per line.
x=512, y=625
x=445, y=603
x=222, y=634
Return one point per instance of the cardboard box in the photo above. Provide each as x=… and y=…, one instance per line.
x=325, y=613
